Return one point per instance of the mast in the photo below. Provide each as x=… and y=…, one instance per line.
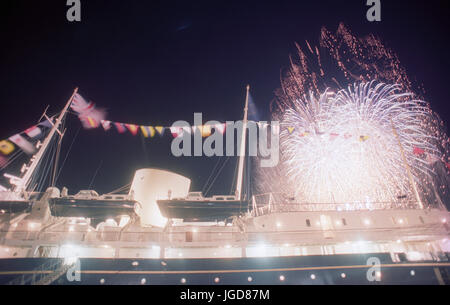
x=408, y=169
x=23, y=183
x=242, y=149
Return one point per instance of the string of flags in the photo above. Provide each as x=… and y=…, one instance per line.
x=25, y=141
x=205, y=130
x=93, y=117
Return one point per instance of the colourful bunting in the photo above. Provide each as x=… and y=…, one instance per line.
x=145, y=131
x=120, y=128
x=33, y=132
x=206, y=130
x=6, y=147
x=304, y=134
x=89, y=121
x=152, y=131
x=134, y=129
x=46, y=123
x=160, y=130
x=23, y=144
x=176, y=131
x=347, y=136
x=333, y=136
x=106, y=125
x=363, y=138
x=291, y=129
x=89, y=116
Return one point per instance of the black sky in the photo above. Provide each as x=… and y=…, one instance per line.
x=155, y=62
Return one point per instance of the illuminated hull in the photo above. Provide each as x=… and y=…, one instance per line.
x=14, y=206
x=205, y=210
x=91, y=208
x=349, y=269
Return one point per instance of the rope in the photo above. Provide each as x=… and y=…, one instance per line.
x=210, y=176
x=95, y=174
x=120, y=189
x=212, y=183
x=67, y=155
x=16, y=155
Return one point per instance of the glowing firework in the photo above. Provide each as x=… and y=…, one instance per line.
x=345, y=149
x=347, y=140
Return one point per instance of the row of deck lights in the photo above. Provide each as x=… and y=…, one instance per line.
x=282, y=278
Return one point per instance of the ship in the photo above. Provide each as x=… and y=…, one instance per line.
x=148, y=236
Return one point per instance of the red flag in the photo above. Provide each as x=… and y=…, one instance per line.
x=106, y=125
x=88, y=114
x=134, y=129
x=333, y=136
x=33, y=132
x=23, y=144
x=418, y=151
x=120, y=127
x=176, y=131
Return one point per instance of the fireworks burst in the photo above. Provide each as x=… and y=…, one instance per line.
x=345, y=148
x=348, y=140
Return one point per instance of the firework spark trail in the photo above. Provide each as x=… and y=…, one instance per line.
x=342, y=168
x=343, y=148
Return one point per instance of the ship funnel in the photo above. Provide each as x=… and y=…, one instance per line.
x=150, y=185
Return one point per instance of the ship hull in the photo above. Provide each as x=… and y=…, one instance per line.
x=191, y=210
x=14, y=206
x=300, y=270
x=61, y=207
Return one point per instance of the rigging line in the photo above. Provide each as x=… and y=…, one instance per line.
x=212, y=173
x=220, y=170
x=58, y=152
x=233, y=184
x=122, y=188
x=67, y=155
x=16, y=155
x=39, y=179
x=95, y=174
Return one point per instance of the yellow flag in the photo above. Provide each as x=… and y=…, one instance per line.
x=206, y=131
x=363, y=138
x=152, y=131
x=160, y=130
x=144, y=131
x=6, y=147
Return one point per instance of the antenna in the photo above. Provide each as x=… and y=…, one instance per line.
x=25, y=180
x=242, y=149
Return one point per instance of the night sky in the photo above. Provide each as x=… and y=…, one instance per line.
x=156, y=62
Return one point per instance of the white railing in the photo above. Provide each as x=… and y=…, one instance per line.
x=273, y=204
